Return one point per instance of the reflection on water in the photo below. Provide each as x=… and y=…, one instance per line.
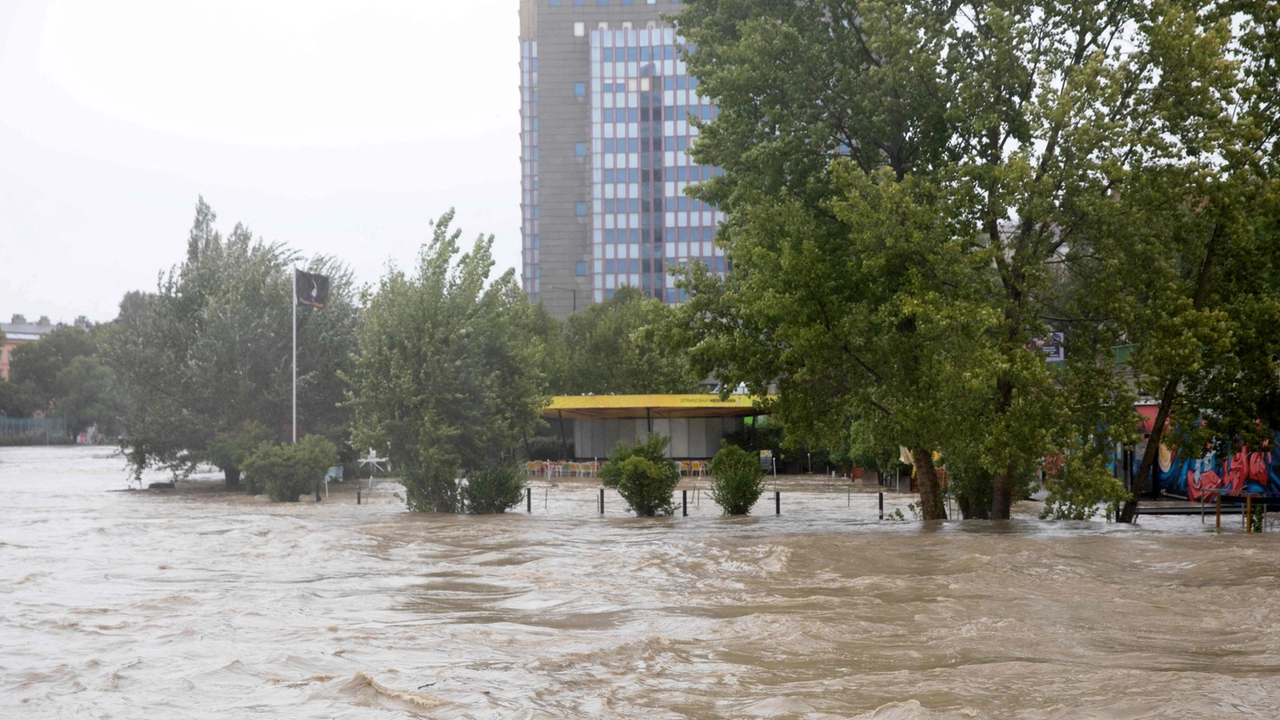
x=203, y=605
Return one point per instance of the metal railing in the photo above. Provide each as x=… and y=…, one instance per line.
x=33, y=427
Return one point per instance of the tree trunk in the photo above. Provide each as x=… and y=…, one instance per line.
x=1129, y=512
x=1002, y=482
x=1001, y=495
x=931, y=505
x=233, y=478
x=970, y=510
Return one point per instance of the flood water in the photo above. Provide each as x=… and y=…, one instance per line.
x=208, y=605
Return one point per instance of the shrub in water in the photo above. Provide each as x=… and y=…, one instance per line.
x=288, y=471
x=643, y=475
x=737, y=480
x=229, y=450
x=494, y=491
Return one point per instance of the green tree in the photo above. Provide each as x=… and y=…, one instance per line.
x=989, y=162
x=230, y=449
x=20, y=400
x=1207, y=323
x=40, y=362
x=611, y=348
x=87, y=395
x=449, y=374
x=643, y=475
x=210, y=349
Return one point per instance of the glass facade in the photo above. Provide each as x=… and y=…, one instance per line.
x=641, y=101
x=529, y=165
x=617, y=163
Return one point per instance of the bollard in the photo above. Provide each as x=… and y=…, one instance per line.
x=601, y=501
x=881, y=506
x=1248, y=515
x=1217, y=520
x=357, y=495
x=528, y=500
x=684, y=502
x=777, y=502
x=317, y=492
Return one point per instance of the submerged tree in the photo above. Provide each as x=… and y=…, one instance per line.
x=448, y=375
x=919, y=193
x=211, y=350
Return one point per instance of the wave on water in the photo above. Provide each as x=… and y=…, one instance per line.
x=913, y=710
x=363, y=685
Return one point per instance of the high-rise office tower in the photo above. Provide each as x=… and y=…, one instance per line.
x=605, y=102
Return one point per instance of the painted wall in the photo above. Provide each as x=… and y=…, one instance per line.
x=1250, y=470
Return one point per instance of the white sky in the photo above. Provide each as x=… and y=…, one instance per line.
x=335, y=127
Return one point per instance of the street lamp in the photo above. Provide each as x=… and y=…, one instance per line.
x=572, y=290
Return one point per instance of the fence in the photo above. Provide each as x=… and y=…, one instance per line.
x=53, y=427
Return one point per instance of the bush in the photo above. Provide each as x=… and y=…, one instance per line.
x=737, y=480
x=643, y=475
x=288, y=471
x=1086, y=484
x=229, y=450
x=494, y=491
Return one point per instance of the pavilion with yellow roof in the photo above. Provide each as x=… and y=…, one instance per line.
x=695, y=423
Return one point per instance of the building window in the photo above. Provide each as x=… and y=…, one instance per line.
x=580, y=149
x=579, y=29
x=581, y=269
x=580, y=209
x=555, y=3
x=579, y=89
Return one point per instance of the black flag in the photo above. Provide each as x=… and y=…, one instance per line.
x=312, y=290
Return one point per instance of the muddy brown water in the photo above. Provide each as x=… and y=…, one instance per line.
x=206, y=605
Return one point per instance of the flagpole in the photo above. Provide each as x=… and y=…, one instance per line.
x=294, y=295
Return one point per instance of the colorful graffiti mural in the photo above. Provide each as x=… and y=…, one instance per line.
x=1245, y=471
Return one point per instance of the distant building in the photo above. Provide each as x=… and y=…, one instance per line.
x=18, y=331
x=605, y=105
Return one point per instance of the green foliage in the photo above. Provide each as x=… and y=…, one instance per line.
x=1257, y=518
x=612, y=349
x=287, y=471
x=917, y=193
x=228, y=451
x=1086, y=483
x=40, y=362
x=449, y=370
x=20, y=400
x=495, y=490
x=87, y=395
x=737, y=481
x=210, y=349
x=643, y=475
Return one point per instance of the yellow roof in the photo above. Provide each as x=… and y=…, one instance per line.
x=656, y=406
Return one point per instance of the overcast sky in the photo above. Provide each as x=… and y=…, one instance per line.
x=335, y=127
